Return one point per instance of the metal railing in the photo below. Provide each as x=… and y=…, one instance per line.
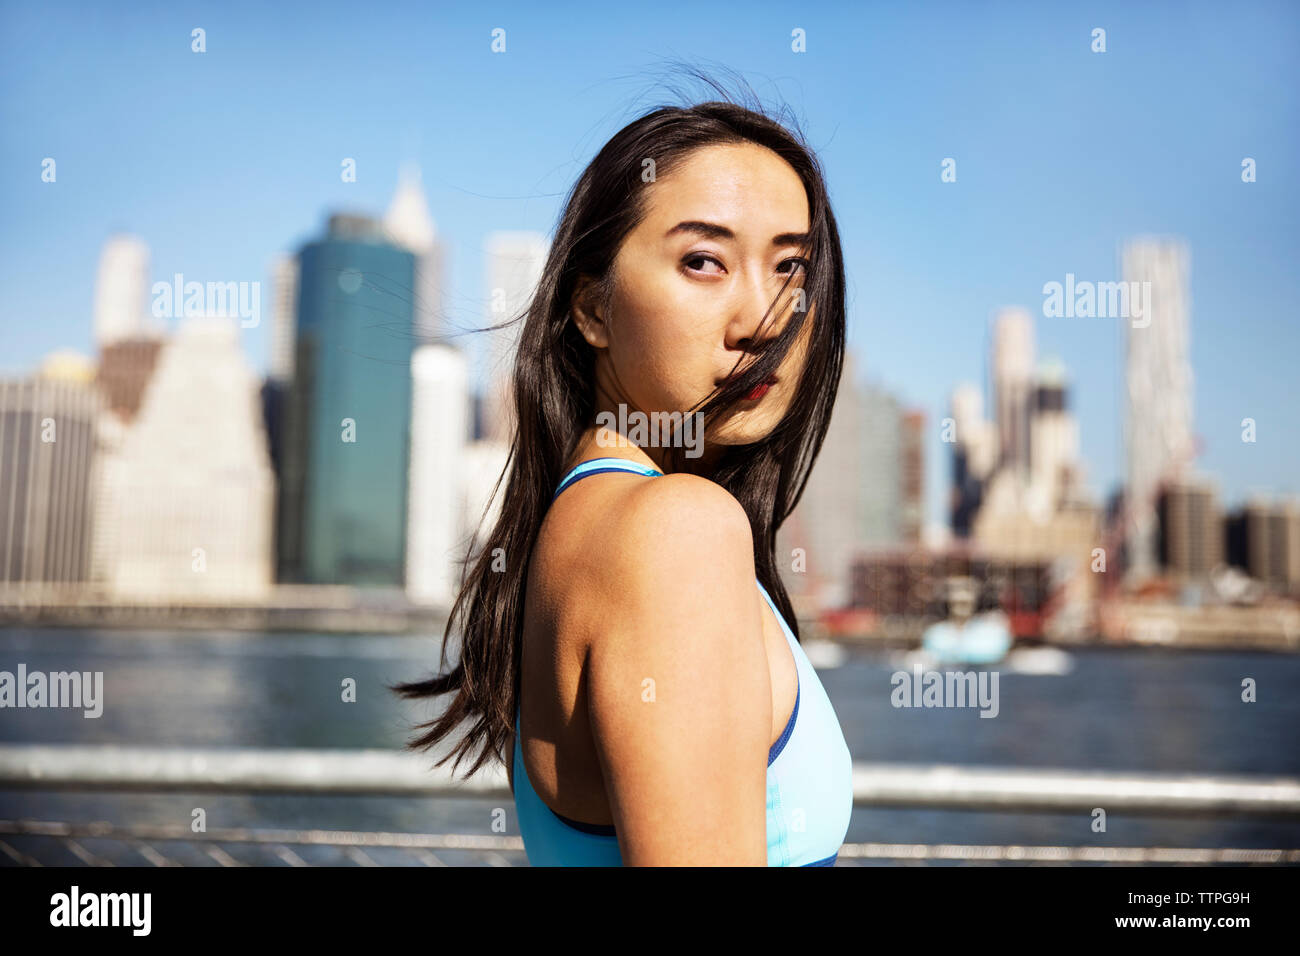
x=391, y=773
x=224, y=847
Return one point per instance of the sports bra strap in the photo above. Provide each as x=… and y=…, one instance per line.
x=597, y=466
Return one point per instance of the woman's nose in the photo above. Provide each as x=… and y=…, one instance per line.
x=758, y=316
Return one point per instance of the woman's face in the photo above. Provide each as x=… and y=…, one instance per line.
x=694, y=281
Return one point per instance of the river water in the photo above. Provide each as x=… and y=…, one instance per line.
x=1114, y=709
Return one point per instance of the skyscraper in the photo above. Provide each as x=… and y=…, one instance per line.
x=122, y=290
x=439, y=433
x=1190, y=539
x=865, y=492
x=911, y=476
x=1159, y=385
x=1054, y=444
x=347, y=413
x=514, y=267
x=817, y=542
x=47, y=426
x=873, y=474
x=284, y=318
x=408, y=224
x=1016, y=492
x=975, y=452
x=1013, y=370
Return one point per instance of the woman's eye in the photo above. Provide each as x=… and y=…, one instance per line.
x=695, y=264
x=702, y=258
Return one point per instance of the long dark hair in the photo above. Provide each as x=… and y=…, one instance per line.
x=554, y=396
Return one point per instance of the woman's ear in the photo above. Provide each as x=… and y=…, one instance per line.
x=585, y=308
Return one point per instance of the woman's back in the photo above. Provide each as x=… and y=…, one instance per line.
x=641, y=681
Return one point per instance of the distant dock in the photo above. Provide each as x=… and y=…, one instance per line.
x=329, y=609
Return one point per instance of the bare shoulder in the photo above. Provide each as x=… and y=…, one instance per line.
x=674, y=524
x=675, y=557
x=678, y=688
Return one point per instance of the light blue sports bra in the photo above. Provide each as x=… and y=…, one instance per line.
x=809, y=769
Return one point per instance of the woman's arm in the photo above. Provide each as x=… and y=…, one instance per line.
x=678, y=684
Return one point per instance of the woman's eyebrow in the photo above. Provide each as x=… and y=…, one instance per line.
x=712, y=230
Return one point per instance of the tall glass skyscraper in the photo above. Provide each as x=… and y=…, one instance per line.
x=347, y=411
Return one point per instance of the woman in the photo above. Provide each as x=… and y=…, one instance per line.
x=651, y=704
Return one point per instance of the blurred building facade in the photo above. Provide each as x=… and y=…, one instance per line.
x=481, y=499
x=1159, y=439
x=975, y=454
x=1017, y=491
x=1189, y=539
x=1013, y=367
x=121, y=309
x=408, y=224
x=284, y=317
x=514, y=263
x=185, y=492
x=898, y=587
x=1019, y=479
x=876, y=444
x=865, y=492
x=125, y=367
x=1263, y=538
x=47, y=448
x=818, y=540
x=911, y=477
x=440, y=426
x=346, y=413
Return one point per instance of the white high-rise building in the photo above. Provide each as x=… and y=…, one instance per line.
x=284, y=318
x=975, y=436
x=1054, y=444
x=483, y=464
x=185, y=510
x=122, y=290
x=514, y=268
x=409, y=225
x=1159, y=377
x=1013, y=373
x=439, y=434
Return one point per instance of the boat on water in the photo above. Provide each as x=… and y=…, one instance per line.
x=965, y=637
x=983, y=639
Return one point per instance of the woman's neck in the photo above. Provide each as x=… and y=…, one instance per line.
x=601, y=441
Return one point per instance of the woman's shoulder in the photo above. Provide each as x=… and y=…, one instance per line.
x=627, y=544
x=672, y=526
x=685, y=502
x=682, y=629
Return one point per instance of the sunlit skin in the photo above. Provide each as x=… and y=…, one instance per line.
x=690, y=300
x=634, y=579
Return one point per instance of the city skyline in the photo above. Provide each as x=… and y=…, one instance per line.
x=927, y=261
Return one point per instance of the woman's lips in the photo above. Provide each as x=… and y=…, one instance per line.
x=755, y=393
x=758, y=391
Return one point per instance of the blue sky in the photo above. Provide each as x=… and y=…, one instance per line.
x=223, y=159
